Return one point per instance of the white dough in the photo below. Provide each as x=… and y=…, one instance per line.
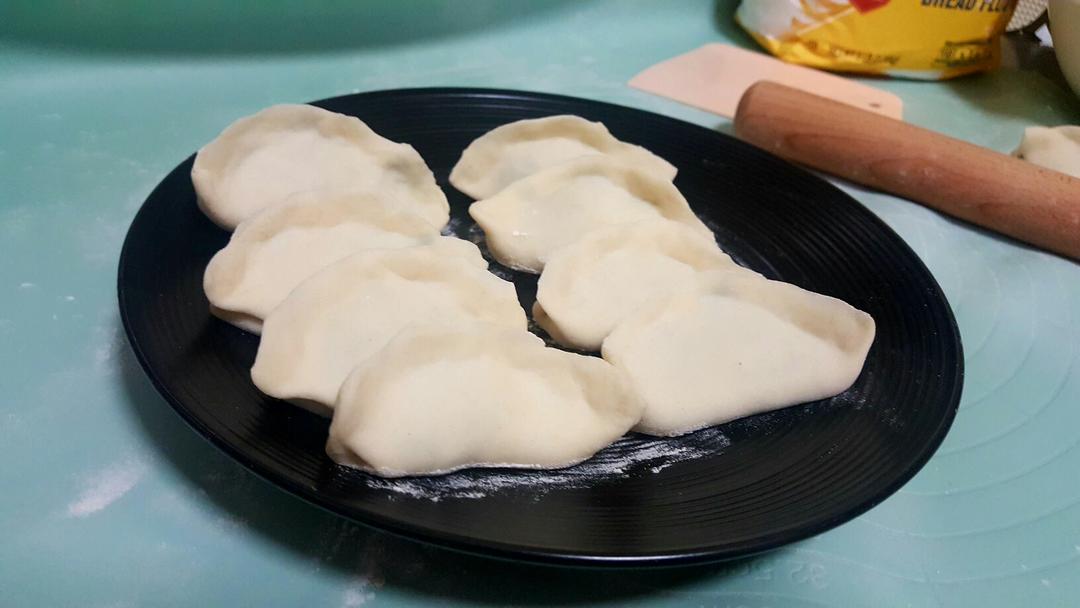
x=588, y=287
x=735, y=346
x=275, y=250
x=438, y=399
x=508, y=153
x=1056, y=148
x=530, y=219
x=349, y=310
x=260, y=160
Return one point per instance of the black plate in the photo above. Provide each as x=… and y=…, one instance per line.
x=755, y=484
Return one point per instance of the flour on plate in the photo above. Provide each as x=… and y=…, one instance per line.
x=633, y=455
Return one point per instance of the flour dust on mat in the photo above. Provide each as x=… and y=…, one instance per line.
x=105, y=487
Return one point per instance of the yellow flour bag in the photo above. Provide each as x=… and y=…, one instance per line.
x=928, y=39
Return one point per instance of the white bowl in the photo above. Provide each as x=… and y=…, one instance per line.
x=1065, y=29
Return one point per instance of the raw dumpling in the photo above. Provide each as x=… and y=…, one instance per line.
x=275, y=250
x=349, y=310
x=438, y=399
x=588, y=287
x=1056, y=148
x=519, y=149
x=259, y=160
x=737, y=345
x=526, y=222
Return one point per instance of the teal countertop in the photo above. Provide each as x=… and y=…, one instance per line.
x=109, y=500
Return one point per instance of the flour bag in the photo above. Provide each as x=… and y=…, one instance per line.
x=927, y=39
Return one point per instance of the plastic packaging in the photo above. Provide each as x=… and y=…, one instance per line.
x=928, y=39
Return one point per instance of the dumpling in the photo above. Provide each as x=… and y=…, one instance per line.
x=278, y=248
x=259, y=160
x=737, y=345
x=1056, y=148
x=526, y=222
x=346, y=312
x=438, y=399
x=519, y=149
x=588, y=287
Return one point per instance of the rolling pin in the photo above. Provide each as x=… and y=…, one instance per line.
x=975, y=184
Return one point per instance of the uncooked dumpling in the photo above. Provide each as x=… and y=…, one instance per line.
x=1056, y=148
x=349, y=310
x=588, y=287
x=526, y=222
x=260, y=160
x=519, y=149
x=274, y=251
x=438, y=399
x=735, y=346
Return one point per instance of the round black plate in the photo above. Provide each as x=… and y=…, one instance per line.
x=755, y=484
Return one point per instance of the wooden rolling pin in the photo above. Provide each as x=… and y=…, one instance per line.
x=981, y=186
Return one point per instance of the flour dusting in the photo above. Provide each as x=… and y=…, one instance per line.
x=108, y=343
x=106, y=487
x=502, y=272
x=464, y=229
x=357, y=594
x=475, y=234
x=637, y=454
x=363, y=584
x=456, y=227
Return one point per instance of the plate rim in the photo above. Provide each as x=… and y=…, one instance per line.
x=520, y=553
